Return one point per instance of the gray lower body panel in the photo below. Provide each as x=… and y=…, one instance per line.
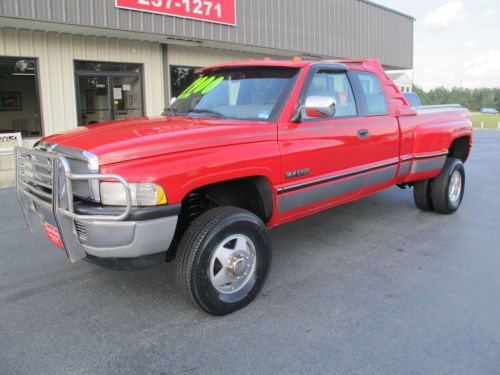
x=405, y=169
x=336, y=188
x=127, y=239
x=428, y=165
x=320, y=193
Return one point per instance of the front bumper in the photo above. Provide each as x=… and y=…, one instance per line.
x=43, y=180
x=149, y=232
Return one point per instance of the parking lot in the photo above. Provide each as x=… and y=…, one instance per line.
x=373, y=287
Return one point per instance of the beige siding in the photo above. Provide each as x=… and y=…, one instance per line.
x=328, y=28
x=56, y=54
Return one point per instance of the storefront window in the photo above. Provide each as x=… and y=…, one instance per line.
x=108, y=91
x=181, y=77
x=19, y=102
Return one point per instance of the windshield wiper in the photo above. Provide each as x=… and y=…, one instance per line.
x=207, y=112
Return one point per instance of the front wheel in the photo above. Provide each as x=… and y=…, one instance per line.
x=448, y=187
x=223, y=260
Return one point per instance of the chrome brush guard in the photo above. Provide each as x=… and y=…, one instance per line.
x=44, y=185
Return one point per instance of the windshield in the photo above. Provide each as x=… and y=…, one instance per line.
x=239, y=93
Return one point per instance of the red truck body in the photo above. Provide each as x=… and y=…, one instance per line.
x=204, y=151
x=274, y=141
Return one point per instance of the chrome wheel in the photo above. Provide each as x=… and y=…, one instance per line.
x=233, y=264
x=455, y=188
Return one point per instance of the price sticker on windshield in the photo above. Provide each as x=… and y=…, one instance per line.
x=217, y=11
x=201, y=86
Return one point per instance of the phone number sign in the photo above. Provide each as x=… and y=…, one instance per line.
x=218, y=11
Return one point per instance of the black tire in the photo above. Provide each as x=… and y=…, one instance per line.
x=440, y=187
x=199, y=243
x=422, y=195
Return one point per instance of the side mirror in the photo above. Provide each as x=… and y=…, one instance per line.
x=320, y=107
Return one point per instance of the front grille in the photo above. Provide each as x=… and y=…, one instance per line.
x=81, y=189
x=81, y=231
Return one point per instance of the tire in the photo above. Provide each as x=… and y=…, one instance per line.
x=422, y=195
x=448, y=187
x=223, y=260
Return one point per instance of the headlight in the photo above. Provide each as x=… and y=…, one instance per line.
x=143, y=194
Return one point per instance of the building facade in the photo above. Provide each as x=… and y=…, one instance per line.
x=67, y=63
x=402, y=80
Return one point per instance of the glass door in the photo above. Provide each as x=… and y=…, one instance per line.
x=94, y=100
x=127, y=97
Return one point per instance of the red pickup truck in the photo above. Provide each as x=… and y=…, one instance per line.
x=247, y=147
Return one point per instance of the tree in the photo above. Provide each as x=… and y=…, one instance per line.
x=474, y=99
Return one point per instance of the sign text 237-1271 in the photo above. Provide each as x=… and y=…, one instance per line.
x=218, y=11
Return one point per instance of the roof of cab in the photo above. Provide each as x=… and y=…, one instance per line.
x=265, y=62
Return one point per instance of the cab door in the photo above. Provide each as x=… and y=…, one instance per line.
x=322, y=159
x=380, y=127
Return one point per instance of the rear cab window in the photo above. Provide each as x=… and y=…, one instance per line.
x=372, y=97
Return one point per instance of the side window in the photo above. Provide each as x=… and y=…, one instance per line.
x=374, y=98
x=335, y=85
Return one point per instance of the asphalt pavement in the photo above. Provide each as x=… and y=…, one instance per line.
x=373, y=287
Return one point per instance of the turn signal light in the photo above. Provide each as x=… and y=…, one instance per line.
x=296, y=59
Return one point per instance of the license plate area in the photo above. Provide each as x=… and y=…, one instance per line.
x=49, y=224
x=53, y=235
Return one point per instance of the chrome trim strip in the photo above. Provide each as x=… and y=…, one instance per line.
x=335, y=177
x=405, y=159
x=429, y=156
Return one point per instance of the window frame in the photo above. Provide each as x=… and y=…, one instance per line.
x=37, y=92
x=354, y=74
x=337, y=68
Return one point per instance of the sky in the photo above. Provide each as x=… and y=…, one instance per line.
x=457, y=42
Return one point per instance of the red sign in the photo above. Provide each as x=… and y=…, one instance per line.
x=218, y=11
x=53, y=234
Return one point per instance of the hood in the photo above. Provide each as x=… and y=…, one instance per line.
x=118, y=141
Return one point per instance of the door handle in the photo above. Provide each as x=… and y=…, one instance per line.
x=363, y=133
